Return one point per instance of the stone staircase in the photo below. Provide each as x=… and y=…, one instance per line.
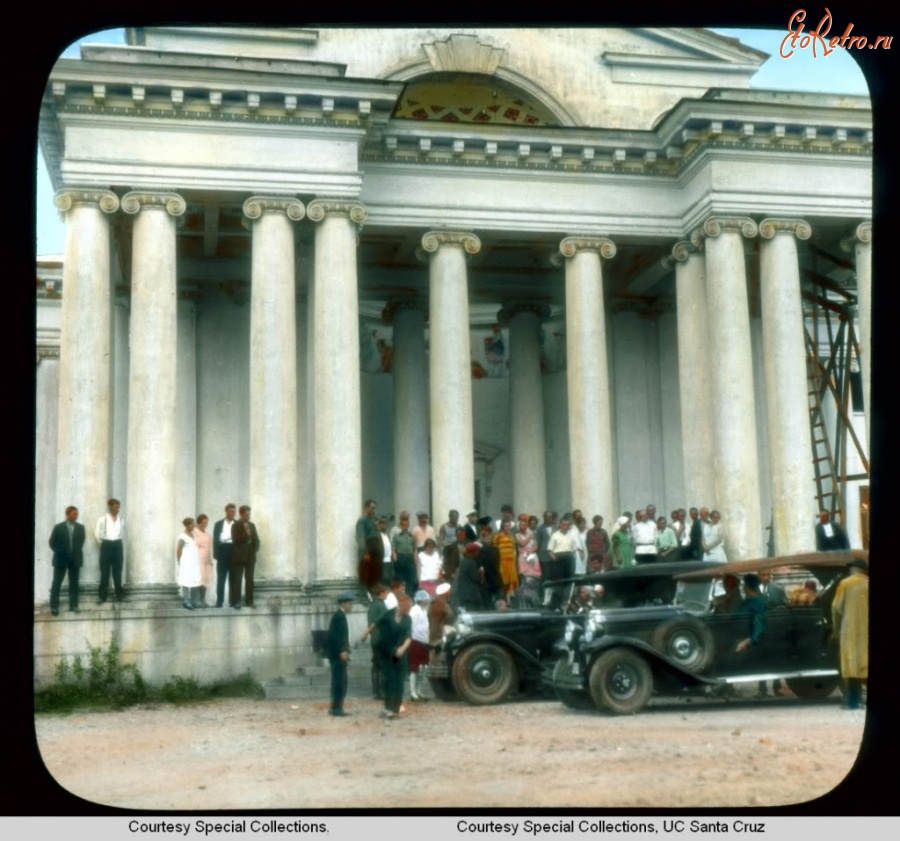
x=315, y=682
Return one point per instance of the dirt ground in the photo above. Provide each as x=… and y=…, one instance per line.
x=248, y=754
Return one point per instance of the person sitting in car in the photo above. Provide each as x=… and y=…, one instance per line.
x=729, y=600
x=755, y=606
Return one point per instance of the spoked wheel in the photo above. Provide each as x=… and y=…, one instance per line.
x=484, y=673
x=621, y=681
x=687, y=641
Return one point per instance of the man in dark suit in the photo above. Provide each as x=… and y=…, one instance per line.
x=243, y=558
x=830, y=537
x=222, y=547
x=694, y=552
x=774, y=596
x=339, y=653
x=67, y=543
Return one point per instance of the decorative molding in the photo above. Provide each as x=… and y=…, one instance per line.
x=433, y=240
x=69, y=197
x=42, y=353
x=862, y=235
x=510, y=310
x=464, y=54
x=715, y=225
x=255, y=206
x=135, y=201
x=683, y=249
x=318, y=209
x=391, y=308
x=798, y=227
x=571, y=245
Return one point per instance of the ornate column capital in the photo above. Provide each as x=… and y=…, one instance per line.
x=572, y=245
x=433, y=240
x=769, y=227
x=862, y=234
x=715, y=225
x=137, y=200
x=292, y=207
x=318, y=209
x=391, y=308
x=69, y=197
x=511, y=309
x=684, y=248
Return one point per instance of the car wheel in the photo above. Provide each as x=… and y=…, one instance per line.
x=813, y=687
x=620, y=681
x=483, y=673
x=442, y=689
x=572, y=698
x=687, y=641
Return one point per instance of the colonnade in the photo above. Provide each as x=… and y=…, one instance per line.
x=715, y=373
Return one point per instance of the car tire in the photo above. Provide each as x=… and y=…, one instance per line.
x=687, y=641
x=620, y=681
x=483, y=673
x=572, y=698
x=442, y=689
x=813, y=687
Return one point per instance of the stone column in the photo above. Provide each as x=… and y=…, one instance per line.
x=787, y=404
x=694, y=375
x=338, y=433
x=85, y=374
x=590, y=424
x=410, y=403
x=273, y=384
x=452, y=435
x=733, y=451
x=861, y=243
x=186, y=415
x=152, y=521
x=526, y=405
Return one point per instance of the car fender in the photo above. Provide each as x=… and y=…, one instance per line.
x=459, y=645
x=658, y=662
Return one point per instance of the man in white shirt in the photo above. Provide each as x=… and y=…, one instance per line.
x=644, y=532
x=562, y=551
x=222, y=550
x=110, y=534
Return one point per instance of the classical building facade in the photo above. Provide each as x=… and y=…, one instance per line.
x=437, y=267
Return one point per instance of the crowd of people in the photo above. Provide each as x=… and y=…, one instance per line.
x=518, y=560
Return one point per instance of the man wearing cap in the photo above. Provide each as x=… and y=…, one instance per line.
x=394, y=639
x=850, y=618
x=423, y=531
x=339, y=652
x=448, y=544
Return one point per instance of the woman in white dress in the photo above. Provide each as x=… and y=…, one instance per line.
x=713, y=537
x=188, y=557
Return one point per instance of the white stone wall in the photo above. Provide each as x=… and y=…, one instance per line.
x=45, y=513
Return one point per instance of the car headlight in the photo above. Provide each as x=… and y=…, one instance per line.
x=589, y=627
x=570, y=631
x=447, y=633
x=464, y=624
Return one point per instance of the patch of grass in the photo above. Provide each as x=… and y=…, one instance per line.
x=107, y=683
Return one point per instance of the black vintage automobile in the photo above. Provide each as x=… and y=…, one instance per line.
x=487, y=656
x=616, y=659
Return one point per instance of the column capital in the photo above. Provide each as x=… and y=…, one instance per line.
x=861, y=234
x=318, y=209
x=571, y=245
x=433, y=240
x=136, y=200
x=684, y=248
x=511, y=309
x=715, y=225
x=769, y=227
x=391, y=308
x=255, y=206
x=68, y=197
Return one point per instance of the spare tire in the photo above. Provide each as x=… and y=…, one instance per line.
x=686, y=641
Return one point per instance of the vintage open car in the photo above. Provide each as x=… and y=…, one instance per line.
x=487, y=656
x=616, y=659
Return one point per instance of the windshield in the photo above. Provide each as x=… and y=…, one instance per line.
x=693, y=595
